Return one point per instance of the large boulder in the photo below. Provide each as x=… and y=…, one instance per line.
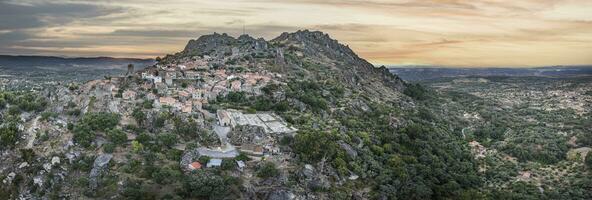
x=99, y=167
x=349, y=150
x=281, y=195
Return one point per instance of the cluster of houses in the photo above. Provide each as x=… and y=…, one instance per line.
x=185, y=88
x=188, y=85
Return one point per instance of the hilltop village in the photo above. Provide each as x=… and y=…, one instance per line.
x=185, y=88
x=297, y=117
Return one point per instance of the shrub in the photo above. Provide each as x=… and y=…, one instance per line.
x=267, y=170
x=101, y=121
x=416, y=91
x=109, y=148
x=167, y=139
x=242, y=156
x=83, y=134
x=139, y=115
x=117, y=136
x=147, y=104
x=205, y=185
x=46, y=115
x=137, y=146
x=9, y=135
x=228, y=164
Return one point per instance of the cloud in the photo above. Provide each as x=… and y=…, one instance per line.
x=20, y=16
x=443, y=32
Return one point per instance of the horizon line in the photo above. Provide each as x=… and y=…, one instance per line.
x=391, y=65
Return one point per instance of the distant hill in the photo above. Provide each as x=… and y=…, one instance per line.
x=17, y=63
x=415, y=73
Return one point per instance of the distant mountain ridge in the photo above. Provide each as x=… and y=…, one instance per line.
x=29, y=62
x=418, y=73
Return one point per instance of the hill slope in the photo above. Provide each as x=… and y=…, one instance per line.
x=307, y=117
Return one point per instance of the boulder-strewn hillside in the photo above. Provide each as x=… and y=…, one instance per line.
x=297, y=117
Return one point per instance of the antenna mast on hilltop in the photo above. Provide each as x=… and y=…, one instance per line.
x=243, y=27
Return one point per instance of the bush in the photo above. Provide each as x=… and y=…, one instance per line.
x=236, y=97
x=117, y=136
x=205, y=185
x=101, y=121
x=204, y=159
x=138, y=190
x=27, y=155
x=416, y=91
x=267, y=170
x=313, y=146
x=137, y=147
x=83, y=134
x=14, y=111
x=9, y=135
x=139, y=115
x=47, y=115
x=147, y=104
x=242, y=156
x=228, y=164
x=167, y=139
x=109, y=148
x=84, y=131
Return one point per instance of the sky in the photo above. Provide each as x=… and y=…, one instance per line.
x=469, y=33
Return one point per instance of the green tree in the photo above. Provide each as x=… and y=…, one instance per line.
x=267, y=170
x=83, y=134
x=101, y=121
x=117, y=136
x=137, y=146
x=416, y=91
x=139, y=115
x=313, y=146
x=147, y=104
x=204, y=184
x=167, y=139
x=9, y=135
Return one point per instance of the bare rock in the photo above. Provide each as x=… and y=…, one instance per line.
x=281, y=195
x=99, y=166
x=348, y=149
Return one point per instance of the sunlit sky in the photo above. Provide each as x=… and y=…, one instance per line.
x=418, y=32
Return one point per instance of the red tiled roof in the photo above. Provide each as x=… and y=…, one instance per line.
x=196, y=165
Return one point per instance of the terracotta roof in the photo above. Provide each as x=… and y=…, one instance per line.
x=195, y=165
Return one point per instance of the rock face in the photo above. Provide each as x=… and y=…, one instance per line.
x=99, y=167
x=343, y=63
x=348, y=149
x=281, y=195
x=315, y=43
x=313, y=179
x=289, y=50
x=219, y=45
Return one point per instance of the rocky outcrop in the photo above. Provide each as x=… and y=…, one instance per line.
x=246, y=134
x=281, y=195
x=99, y=167
x=315, y=43
x=221, y=45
